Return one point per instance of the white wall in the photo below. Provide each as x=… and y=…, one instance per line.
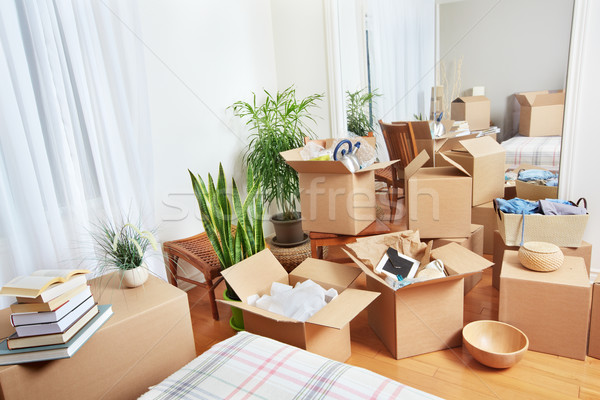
x=579, y=158
x=300, y=53
x=508, y=46
x=201, y=57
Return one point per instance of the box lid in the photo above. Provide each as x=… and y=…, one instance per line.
x=540, y=98
x=416, y=164
x=255, y=274
x=341, y=310
x=470, y=99
x=479, y=147
x=454, y=164
x=338, y=276
x=294, y=159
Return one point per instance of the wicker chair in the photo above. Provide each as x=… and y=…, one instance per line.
x=199, y=253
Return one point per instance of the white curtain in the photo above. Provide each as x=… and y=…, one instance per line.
x=75, y=141
x=402, y=56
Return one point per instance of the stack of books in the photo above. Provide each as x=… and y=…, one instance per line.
x=460, y=128
x=488, y=131
x=55, y=314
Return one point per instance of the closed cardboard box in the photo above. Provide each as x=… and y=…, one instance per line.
x=594, y=344
x=438, y=199
x=327, y=332
x=541, y=113
x=484, y=214
x=148, y=338
x=584, y=251
x=473, y=109
x=425, y=316
x=483, y=158
x=551, y=308
x=333, y=199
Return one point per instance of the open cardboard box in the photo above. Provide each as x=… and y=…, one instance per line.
x=531, y=191
x=328, y=331
x=424, y=316
x=483, y=158
x=473, y=109
x=438, y=199
x=434, y=145
x=541, y=113
x=551, y=308
x=333, y=199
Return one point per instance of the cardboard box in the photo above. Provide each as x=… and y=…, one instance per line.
x=473, y=242
x=434, y=145
x=438, y=199
x=148, y=338
x=541, y=113
x=333, y=199
x=532, y=191
x=594, y=343
x=584, y=251
x=561, y=230
x=485, y=215
x=328, y=331
x=483, y=158
x=473, y=109
x=551, y=308
x=425, y=316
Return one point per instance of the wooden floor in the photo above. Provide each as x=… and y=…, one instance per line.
x=452, y=373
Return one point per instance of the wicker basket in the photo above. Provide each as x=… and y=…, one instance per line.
x=541, y=256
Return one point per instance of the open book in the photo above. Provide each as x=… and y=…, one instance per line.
x=45, y=283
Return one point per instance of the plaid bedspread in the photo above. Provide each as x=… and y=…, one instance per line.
x=540, y=151
x=248, y=366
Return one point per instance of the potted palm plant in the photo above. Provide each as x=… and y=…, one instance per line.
x=231, y=244
x=279, y=124
x=123, y=247
x=357, y=112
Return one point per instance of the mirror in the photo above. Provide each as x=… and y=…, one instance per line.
x=505, y=47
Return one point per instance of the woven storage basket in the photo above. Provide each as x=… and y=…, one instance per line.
x=561, y=230
x=541, y=256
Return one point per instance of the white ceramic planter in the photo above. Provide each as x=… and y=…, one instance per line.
x=135, y=277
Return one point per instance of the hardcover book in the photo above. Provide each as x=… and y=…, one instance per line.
x=58, y=326
x=17, y=342
x=66, y=350
x=51, y=305
x=44, y=284
x=29, y=318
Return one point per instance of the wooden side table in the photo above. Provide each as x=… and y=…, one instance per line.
x=148, y=338
x=318, y=239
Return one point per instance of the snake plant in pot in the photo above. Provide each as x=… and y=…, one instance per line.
x=279, y=124
x=232, y=244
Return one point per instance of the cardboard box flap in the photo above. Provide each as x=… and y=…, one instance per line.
x=470, y=99
x=377, y=166
x=255, y=274
x=526, y=99
x=341, y=310
x=550, y=99
x=259, y=311
x=482, y=146
x=415, y=164
x=455, y=164
x=364, y=268
x=421, y=130
x=460, y=260
x=326, y=272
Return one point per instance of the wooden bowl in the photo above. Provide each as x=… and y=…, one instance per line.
x=495, y=344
